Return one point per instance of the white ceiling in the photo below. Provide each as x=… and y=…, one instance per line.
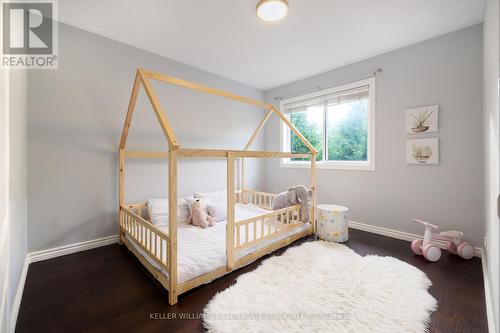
x=225, y=36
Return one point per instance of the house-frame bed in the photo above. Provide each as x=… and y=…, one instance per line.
x=146, y=240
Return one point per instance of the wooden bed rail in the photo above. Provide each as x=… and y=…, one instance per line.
x=137, y=208
x=137, y=231
x=150, y=239
x=258, y=229
x=261, y=199
x=215, y=153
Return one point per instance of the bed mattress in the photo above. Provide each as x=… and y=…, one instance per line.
x=200, y=251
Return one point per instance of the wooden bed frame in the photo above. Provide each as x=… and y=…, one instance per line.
x=161, y=246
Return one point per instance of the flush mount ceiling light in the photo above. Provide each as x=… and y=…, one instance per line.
x=272, y=10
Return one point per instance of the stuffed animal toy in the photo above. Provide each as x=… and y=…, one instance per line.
x=199, y=217
x=295, y=195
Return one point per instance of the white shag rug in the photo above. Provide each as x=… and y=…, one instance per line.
x=324, y=287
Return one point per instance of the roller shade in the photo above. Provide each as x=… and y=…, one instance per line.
x=339, y=97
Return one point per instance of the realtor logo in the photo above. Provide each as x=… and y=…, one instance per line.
x=29, y=38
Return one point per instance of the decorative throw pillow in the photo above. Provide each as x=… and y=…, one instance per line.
x=159, y=220
x=209, y=198
x=218, y=211
x=158, y=210
x=182, y=209
x=157, y=207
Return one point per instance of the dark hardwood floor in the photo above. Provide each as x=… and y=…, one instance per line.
x=107, y=290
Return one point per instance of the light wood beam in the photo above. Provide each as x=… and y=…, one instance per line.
x=172, y=226
x=121, y=178
x=146, y=154
x=130, y=110
x=295, y=130
x=261, y=125
x=230, y=212
x=313, y=187
x=203, y=153
x=194, y=153
x=121, y=189
x=268, y=154
x=160, y=114
x=204, y=89
x=238, y=153
x=242, y=199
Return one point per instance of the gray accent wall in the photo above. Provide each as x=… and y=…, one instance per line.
x=76, y=115
x=446, y=70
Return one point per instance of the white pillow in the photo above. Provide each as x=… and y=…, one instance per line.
x=158, y=210
x=159, y=220
x=208, y=198
x=218, y=211
x=212, y=197
x=182, y=209
x=157, y=207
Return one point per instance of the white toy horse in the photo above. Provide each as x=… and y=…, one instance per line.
x=431, y=252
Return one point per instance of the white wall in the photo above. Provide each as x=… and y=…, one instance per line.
x=492, y=147
x=18, y=194
x=17, y=181
x=447, y=71
x=13, y=223
x=4, y=190
x=76, y=116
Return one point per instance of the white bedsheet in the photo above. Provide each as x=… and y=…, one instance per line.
x=200, y=251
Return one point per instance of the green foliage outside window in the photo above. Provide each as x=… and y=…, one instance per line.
x=312, y=132
x=347, y=136
x=348, y=139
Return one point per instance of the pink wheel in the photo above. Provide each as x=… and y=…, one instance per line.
x=452, y=247
x=465, y=250
x=416, y=246
x=431, y=252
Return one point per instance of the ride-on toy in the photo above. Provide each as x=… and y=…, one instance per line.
x=432, y=252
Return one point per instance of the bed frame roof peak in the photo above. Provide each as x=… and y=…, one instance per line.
x=143, y=78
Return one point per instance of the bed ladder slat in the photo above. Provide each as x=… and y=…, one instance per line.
x=161, y=250
x=156, y=246
x=254, y=230
x=263, y=228
x=238, y=235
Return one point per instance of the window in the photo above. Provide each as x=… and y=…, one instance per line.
x=339, y=122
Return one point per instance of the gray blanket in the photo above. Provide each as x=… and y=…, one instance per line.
x=295, y=195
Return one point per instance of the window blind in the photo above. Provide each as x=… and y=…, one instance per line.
x=339, y=97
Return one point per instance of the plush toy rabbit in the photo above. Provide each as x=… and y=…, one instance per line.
x=199, y=217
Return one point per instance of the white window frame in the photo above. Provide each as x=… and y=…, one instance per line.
x=285, y=133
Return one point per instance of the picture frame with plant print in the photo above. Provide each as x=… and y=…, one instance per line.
x=422, y=120
x=422, y=151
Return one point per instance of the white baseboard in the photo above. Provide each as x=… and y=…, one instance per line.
x=71, y=248
x=400, y=235
x=49, y=254
x=19, y=295
x=488, y=296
